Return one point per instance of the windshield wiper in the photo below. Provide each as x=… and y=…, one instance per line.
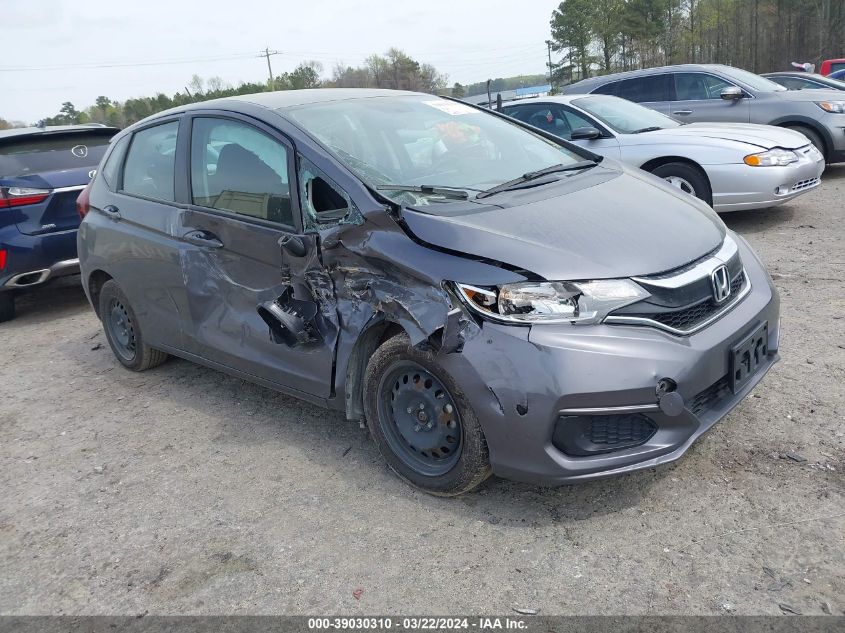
x=521, y=182
x=653, y=128
x=455, y=193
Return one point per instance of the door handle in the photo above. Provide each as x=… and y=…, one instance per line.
x=112, y=211
x=203, y=238
x=683, y=112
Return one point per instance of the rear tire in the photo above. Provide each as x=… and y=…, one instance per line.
x=421, y=422
x=813, y=136
x=123, y=331
x=687, y=178
x=7, y=306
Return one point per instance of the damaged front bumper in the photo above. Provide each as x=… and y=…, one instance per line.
x=563, y=403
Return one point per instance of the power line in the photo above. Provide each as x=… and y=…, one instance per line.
x=164, y=62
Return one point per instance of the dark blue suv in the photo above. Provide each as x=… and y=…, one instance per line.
x=42, y=171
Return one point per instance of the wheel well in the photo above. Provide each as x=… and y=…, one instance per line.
x=792, y=125
x=95, y=283
x=654, y=163
x=368, y=342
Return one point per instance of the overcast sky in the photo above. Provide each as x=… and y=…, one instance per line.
x=56, y=50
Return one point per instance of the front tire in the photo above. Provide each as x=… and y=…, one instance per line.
x=7, y=306
x=813, y=136
x=422, y=422
x=687, y=178
x=123, y=332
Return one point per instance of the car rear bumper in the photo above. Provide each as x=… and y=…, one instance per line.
x=524, y=384
x=33, y=260
x=740, y=187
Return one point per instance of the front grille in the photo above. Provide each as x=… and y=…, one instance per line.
x=688, y=318
x=710, y=397
x=805, y=184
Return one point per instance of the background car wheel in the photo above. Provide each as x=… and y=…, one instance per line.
x=7, y=306
x=686, y=178
x=122, y=332
x=421, y=421
x=814, y=137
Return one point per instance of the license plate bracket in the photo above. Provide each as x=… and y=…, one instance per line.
x=748, y=355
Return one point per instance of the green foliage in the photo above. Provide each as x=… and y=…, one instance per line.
x=600, y=36
x=458, y=91
x=506, y=83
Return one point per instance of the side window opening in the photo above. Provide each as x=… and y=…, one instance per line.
x=150, y=164
x=237, y=168
x=323, y=201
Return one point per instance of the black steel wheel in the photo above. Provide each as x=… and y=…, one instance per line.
x=123, y=332
x=421, y=420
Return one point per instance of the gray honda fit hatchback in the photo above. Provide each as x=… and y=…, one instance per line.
x=483, y=297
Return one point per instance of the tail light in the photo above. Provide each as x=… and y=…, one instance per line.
x=82, y=201
x=2, y=258
x=21, y=196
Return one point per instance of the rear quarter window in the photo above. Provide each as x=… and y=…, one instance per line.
x=111, y=169
x=51, y=152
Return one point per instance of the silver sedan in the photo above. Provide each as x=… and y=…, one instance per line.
x=731, y=166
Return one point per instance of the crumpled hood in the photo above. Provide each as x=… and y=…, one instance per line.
x=610, y=221
x=765, y=136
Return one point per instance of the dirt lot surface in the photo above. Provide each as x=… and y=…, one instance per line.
x=182, y=490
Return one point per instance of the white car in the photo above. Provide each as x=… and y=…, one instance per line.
x=731, y=166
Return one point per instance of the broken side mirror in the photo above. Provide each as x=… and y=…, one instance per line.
x=585, y=134
x=293, y=244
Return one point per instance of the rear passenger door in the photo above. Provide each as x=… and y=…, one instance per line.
x=651, y=91
x=698, y=98
x=248, y=309
x=135, y=229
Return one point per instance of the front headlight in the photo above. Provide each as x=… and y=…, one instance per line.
x=837, y=107
x=776, y=157
x=552, y=301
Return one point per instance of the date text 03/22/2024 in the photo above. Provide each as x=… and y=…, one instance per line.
x=417, y=623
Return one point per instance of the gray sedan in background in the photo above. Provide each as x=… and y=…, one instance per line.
x=712, y=92
x=731, y=166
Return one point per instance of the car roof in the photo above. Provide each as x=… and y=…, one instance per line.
x=56, y=129
x=594, y=82
x=283, y=99
x=793, y=73
x=553, y=99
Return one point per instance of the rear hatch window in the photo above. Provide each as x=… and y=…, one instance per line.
x=52, y=152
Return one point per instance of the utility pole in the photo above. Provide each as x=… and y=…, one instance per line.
x=267, y=52
x=549, y=46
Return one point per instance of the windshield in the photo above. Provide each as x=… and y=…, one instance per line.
x=755, y=82
x=424, y=140
x=51, y=152
x=623, y=116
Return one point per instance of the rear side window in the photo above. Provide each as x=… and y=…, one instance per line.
x=150, y=163
x=607, y=89
x=114, y=161
x=51, y=152
x=236, y=167
x=645, y=89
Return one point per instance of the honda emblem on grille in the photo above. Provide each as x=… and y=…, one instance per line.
x=721, y=281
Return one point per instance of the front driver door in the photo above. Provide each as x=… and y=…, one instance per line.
x=246, y=259
x=698, y=98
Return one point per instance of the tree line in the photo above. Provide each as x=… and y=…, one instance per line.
x=395, y=69
x=602, y=36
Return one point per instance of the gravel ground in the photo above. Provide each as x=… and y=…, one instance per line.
x=182, y=490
